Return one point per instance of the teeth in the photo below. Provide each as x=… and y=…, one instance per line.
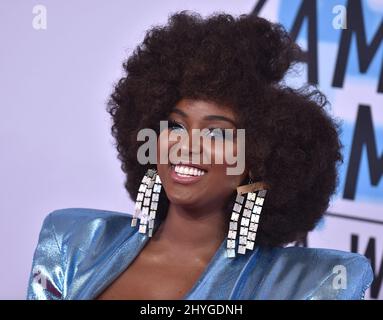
x=188, y=171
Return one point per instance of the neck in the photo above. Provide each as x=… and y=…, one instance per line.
x=193, y=228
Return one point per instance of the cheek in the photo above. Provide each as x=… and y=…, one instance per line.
x=232, y=156
x=162, y=147
x=168, y=147
x=220, y=180
x=163, y=161
x=227, y=153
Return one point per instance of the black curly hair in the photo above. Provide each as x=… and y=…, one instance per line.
x=238, y=62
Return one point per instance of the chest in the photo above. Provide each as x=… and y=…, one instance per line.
x=148, y=279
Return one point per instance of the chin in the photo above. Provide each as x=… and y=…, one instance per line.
x=182, y=198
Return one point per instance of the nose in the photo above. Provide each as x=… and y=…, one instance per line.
x=190, y=143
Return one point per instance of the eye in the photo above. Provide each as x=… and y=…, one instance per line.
x=173, y=126
x=219, y=133
x=216, y=133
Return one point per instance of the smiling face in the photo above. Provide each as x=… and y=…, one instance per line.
x=204, y=185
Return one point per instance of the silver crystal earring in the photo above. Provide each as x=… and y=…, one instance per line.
x=147, y=202
x=247, y=209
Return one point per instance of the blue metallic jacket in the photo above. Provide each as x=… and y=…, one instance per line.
x=80, y=252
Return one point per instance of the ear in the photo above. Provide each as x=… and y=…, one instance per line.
x=252, y=187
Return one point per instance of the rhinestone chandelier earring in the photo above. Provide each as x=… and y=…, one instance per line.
x=246, y=210
x=147, y=202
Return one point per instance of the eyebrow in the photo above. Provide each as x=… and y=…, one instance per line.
x=209, y=117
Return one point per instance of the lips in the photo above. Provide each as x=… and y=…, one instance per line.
x=186, y=173
x=183, y=170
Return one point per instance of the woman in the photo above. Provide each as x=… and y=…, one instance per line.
x=199, y=232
